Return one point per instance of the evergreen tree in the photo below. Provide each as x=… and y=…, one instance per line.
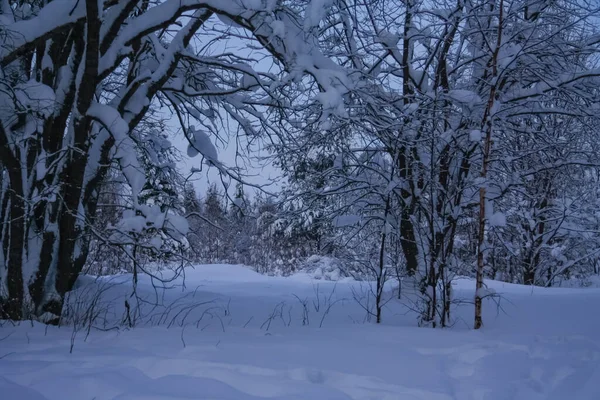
x=214, y=245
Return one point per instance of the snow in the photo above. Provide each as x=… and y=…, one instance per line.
x=466, y=97
x=131, y=167
x=475, y=135
x=485, y=292
x=332, y=101
x=346, y=220
x=278, y=29
x=131, y=222
x=200, y=143
x=36, y=96
x=51, y=16
x=178, y=224
x=32, y=97
x=338, y=162
x=497, y=219
x=315, y=12
x=322, y=268
x=390, y=40
x=249, y=340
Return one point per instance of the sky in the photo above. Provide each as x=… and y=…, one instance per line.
x=259, y=171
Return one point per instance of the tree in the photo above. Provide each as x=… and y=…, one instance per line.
x=537, y=64
x=213, y=239
x=239, y=230
x=194, y=214
x=80, y=82
x=442, y=85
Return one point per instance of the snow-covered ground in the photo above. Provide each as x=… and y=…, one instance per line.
x=232, y=334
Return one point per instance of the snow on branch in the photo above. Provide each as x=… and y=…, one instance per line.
x=111, y=120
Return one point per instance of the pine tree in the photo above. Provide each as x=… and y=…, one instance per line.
x=194, y=214
x=214, y=248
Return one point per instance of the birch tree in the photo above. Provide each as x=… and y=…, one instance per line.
x=441, y=85
x=536, y=60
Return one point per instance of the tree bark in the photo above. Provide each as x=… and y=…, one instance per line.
x=487, y=147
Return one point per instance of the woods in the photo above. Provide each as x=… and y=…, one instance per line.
x=83, y=82
x=418, y=140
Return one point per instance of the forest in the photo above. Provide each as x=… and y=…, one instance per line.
x=419, y=139
x=423, y=164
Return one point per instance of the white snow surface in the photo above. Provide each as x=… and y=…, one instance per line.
x=543, y=344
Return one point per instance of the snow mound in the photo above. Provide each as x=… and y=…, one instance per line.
x=323, y=268
x=223, y=273
x=585, y=282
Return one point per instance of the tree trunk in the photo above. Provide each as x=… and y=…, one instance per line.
x=13, y=210
x=381, y=275
x=528, y=276
x=12, y=306
x=409, y=243
x=487, y=147
x=480, y=260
